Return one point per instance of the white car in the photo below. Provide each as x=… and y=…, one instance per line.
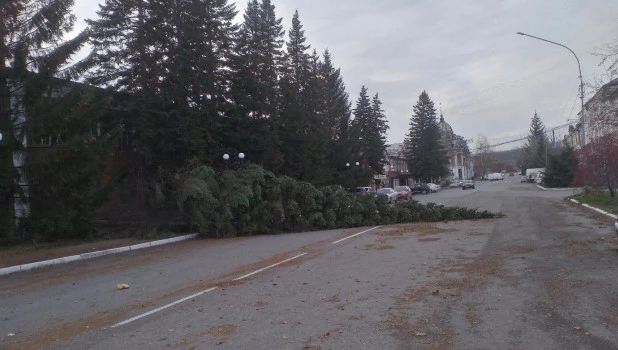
x=616, y=225
x=391, y=195
x=433, y=187
x=455, y=183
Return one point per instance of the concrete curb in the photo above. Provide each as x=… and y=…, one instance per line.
x=559, y=189
x=600, y=211
x=90, y=255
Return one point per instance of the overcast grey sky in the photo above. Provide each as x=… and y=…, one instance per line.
x=464, y=53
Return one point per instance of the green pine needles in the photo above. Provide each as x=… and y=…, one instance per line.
x=253, y=201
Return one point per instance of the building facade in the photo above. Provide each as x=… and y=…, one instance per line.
x=396, y=169
x=601, y=113
x=461, y=162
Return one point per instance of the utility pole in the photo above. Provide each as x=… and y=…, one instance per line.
x=581, y=81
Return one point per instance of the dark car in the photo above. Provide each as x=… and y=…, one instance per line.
x=420, y=188
x=389, y=193
x=467, y=184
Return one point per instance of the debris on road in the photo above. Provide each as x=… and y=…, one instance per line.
x=120, y=286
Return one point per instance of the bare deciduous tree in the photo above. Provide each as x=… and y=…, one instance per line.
x=484, y=159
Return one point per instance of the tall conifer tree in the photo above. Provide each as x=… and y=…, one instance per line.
x=173, y=57
x=255, y=65
x=294, y=122
x=535, y=150
x=426, y=156
x=370, y=126
x=32, y=51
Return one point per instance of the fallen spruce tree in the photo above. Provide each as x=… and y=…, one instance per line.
x=252, y=201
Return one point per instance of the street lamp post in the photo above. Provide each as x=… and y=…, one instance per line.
x=354, y=175
x=241, y=157
x=581, y=81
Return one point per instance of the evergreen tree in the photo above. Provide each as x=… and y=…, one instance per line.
x=126, y=56
x=370, y=127
x=376, y=137
x=294, y=122
x=561, y=169
x=174, y=60
x=336, y=99
x=67, y=176
x=535, y=150
x=318, y=141
x=336, y=116
x=257, y=59
x=32, y=51
x=426, y=156
x=255, y=64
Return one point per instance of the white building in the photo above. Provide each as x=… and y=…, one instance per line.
x=601, y=116
x=461, y=162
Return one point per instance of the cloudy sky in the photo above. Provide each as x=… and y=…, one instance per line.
x=464, y=53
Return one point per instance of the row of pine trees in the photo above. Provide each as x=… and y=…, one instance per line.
x=180, y=84
x=209, y=86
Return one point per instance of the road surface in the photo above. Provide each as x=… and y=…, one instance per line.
x=543, y=277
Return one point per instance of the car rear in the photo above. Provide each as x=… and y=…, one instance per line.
x=403, y=192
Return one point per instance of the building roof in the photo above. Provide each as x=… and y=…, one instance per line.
x=445, y=127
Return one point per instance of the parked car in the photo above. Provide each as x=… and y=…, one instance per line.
x=616, y=225
x=403, y=192
x=391, y=195
x=433, y=187
x=455, y=183
x=467, y=184
x=360, y=190
x=420, y=188
x=524, y=179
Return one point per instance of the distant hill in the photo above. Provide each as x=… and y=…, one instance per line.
x=508, y=157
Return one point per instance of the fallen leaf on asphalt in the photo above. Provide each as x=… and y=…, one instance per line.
x=10, y=335
x=122, y=286
x=285, y=337
x=420, y=334
x=578, y=327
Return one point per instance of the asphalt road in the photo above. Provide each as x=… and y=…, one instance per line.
x=543, y=277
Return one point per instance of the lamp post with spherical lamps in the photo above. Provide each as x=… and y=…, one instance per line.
x=239, y=159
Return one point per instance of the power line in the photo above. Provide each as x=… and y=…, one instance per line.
x=547, y=131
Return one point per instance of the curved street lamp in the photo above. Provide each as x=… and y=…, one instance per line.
x=581, y=81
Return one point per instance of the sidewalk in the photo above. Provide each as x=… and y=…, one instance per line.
x=92, y=254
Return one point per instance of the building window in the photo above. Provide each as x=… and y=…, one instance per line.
x=126, y=137
x=46, y=141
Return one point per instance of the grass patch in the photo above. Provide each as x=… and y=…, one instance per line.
x=601, y=200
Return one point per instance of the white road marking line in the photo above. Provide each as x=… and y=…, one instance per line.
x=268, y=267
x=162, y=308
x=354, y=235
